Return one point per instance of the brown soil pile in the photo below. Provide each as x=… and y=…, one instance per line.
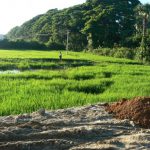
x=137, y=110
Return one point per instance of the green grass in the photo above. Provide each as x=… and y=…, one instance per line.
x=80, y=79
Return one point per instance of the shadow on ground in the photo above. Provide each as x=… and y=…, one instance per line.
x=41, y=63
x=92, y=89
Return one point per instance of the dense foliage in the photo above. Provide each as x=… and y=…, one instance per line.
x=22, y=45
x=143, y=14
x=93, y=24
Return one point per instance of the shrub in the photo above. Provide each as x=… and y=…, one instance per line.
x=104, y=51
x=119, y=52
x=55, y=46
x=21, y=44
x=124, y=53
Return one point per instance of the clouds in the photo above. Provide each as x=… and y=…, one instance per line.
x=144, y=1
x=16, y=12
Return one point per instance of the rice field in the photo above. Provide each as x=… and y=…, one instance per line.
x=42, y=81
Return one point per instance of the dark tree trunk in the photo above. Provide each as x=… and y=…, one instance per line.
x=144, y=26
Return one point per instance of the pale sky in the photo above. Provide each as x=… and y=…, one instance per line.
x=15, y=12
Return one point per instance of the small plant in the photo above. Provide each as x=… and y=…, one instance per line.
x=23, y=65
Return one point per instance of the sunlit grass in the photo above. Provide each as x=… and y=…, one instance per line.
x=80, y=79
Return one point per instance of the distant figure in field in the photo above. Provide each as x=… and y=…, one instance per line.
x=60, y=56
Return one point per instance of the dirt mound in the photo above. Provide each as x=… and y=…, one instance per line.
x=137, y=110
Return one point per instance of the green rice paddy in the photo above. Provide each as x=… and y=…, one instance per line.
x=79, y=79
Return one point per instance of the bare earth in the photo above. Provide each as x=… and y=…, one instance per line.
x=83, y=128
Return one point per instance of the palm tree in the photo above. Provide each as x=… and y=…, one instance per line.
x=143, y=11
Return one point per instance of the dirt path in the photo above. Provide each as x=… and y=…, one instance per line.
x=81, y=128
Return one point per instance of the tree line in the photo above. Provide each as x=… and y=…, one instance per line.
x=91, y=25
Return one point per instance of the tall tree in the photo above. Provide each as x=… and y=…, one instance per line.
x=95, y=23
x=109, y=22
x=143, y=12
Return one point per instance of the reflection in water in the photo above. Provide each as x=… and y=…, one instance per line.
x=10, y=72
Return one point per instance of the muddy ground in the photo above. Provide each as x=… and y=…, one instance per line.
x=83, y=128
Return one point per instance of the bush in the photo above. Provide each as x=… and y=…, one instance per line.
x=132, y=42
x=21, y=44
x=119, y=52
x=124, y=53
x=55, y=46
x=104, y=51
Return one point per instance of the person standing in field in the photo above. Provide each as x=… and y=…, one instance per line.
x=60, y=56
